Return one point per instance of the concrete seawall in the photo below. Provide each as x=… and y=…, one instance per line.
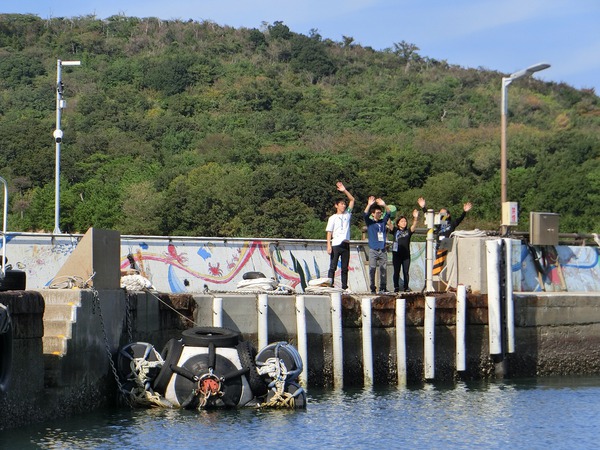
x=62, y=371
x=557, y=334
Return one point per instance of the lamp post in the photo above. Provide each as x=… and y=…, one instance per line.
x=4, y=218
x=58, y=135
x=506, y=81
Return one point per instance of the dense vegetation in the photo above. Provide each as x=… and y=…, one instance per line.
x=191, y=128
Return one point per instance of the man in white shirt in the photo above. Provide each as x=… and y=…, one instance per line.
x=338, y=235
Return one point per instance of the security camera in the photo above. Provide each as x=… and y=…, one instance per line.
x=58, y=135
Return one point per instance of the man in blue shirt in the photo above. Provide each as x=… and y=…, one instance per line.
x=376, y=222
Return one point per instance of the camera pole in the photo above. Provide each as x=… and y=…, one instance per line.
x=58, y=135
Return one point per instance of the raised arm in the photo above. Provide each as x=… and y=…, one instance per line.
x=415, y=215
x=390, y=225
x=466, y=208
x=381, y=203
x=369, y=204
x=422, y=204
x=342, y=188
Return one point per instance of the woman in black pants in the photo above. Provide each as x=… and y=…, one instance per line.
x=401, y=249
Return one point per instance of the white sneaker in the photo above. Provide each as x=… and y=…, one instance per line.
x=348, y=291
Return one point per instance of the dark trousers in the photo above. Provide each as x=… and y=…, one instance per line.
x=397, y=261
x=338, y=252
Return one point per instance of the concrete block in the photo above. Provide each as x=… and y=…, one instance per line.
x=203, y=315
x=85, y=354
x=556, y=308
x=282, y=316
x=57, y=328
x=147, y=312
x=26, y=310
x=66, y=312
x=61, y=296
x=318, y=314
x=240, y=313
x=95, y=260
x=471, y=270
x=54, y=345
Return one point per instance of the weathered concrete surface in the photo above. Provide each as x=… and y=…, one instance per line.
x=556, y=334
x=26, y=310
x=157, y=317
x=542, y=309
x=26, y=380
x=542, y=346
x=479, y=363
x=50, y=385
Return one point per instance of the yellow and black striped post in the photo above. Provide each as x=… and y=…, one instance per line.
x=440, y=261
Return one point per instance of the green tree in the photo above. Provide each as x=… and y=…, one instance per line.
x=19, y=69
x=281, y=217
x=219, y=123
x=407, y=52
x=309, y=54
x=141, y=213
x=279, y=31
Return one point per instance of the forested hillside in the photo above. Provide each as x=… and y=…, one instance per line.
x=192, y=128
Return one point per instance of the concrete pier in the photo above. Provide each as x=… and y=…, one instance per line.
x=62, y=339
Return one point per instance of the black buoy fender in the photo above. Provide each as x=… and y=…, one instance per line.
x=171, y=354
x=247, y=355
x=223, y=362
x=203, y=336
x=132, y=354
x=279, y=360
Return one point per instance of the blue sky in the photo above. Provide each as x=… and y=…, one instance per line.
x=505, y=36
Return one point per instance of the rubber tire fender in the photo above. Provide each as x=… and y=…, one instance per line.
x=13, y=280
x=202, y=336
x=299, y=394
x=296, y=390
x=199, y=365
x=170, y=354
x=6, y=347
x=135, y=350
x=247, y=355
x=127, y=388
x=253, y=275
x=286, y=353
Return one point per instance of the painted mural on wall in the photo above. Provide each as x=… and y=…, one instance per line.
x=194, y=265
x=187, y=266
x=562, y=268
x=219, y=265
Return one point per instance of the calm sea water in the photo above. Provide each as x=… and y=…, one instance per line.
x=548, y=413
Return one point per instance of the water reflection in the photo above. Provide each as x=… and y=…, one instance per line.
x=536, y=413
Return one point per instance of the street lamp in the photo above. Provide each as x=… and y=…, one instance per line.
x=58, y=135
x=4, y=218
x=504, y=110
